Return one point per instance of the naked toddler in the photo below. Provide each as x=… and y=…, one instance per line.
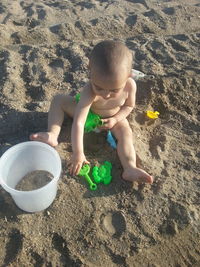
x=109, y=93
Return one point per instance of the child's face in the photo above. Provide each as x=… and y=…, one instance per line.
x=106, y=87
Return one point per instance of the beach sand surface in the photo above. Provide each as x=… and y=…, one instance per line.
x=44, y=50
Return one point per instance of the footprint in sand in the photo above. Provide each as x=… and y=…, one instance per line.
x=160, y=52
x=86, y=5
x=41, y=12
x=142, y=2
x=114, y=223
x=178, y=219
x=181, y=37
x=2, y=8
x=131, y=20
x=156, y=18
x=4, y=57
x=60, y=244
x=39, y=261
x=36, y=92
x=169, y=10
x=28, y=9
x=13, y=247
x=177, y=46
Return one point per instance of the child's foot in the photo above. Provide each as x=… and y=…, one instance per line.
x=45, y=137
x=137, y=175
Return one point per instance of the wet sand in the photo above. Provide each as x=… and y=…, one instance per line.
x=34, y=180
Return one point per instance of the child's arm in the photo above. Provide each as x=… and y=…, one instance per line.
x=83, y=106
x=126, y=109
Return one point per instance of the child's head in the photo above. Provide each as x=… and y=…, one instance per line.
x=110, y=66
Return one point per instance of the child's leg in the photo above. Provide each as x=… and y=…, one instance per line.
x=127, y=155
x=60, y=104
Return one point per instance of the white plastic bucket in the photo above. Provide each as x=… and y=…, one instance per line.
x=26, y=157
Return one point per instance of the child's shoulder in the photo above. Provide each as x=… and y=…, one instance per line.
x=86, y=89
x=87, y=92
x=131, y=85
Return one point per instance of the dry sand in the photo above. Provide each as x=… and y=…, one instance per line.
x=44, y=50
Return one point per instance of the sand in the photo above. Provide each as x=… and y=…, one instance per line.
x=44, y=50
x=34, y=180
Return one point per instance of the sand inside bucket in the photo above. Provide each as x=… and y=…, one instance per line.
x=34, y=180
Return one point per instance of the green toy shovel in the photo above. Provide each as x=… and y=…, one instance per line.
x=84, y=171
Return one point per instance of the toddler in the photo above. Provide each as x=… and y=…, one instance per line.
x=109, y=93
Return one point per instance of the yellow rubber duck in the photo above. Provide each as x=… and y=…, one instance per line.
x=152, y=114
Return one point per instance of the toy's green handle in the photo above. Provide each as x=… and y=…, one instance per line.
x=84, y=172
x=92, y=185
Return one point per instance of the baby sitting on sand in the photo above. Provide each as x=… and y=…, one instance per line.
x=109, y=93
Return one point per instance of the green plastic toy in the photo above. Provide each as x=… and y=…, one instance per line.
x=93, y=120
x=102, y=174
x=84, y=171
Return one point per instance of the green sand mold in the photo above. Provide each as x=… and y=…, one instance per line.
x=102, y=174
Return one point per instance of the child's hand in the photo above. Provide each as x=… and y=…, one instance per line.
x=77, y=161
x=108, y=123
